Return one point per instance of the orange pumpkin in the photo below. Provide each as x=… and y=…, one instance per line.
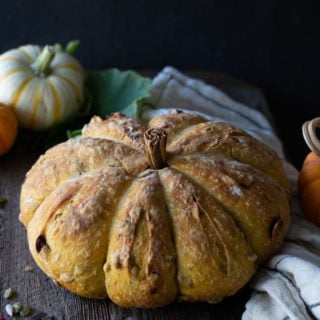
x=8, y=129
x=309, y=177
x=309, y=187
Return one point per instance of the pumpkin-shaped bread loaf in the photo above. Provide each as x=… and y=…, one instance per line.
x=144, y=214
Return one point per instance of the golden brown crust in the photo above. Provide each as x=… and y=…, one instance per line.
x=213, y=258
x=101, y=223
x=140, y=268
x=219, y=137
x=68, y=235
x=117, y=127
x=254, y=200
x=71, y=159
x=174, y=122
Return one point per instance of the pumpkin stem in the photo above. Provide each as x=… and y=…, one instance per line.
x=155, y=141
x=41, y=66
x=72, y=46
x=309, y=131
x=58, y=47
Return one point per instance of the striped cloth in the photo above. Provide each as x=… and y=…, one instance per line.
x=287, y=286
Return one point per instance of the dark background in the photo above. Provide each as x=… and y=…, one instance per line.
x=272, y=44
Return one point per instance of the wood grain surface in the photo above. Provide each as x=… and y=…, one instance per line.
x=43, y=296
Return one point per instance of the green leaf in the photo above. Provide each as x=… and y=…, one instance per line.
x=117, y=91
x=73, y=133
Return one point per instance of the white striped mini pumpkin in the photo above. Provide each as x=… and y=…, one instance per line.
x=41, y=85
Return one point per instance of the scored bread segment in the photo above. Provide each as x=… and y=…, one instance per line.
x=116, y=127
x=68, y=234
x=71, y=159
x=140, y=268
x=213, y=257
x=225, y=139
x=257, y=202
x=175, y=122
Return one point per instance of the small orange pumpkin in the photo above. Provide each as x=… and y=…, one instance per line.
x=309, y=177
x=8, y=129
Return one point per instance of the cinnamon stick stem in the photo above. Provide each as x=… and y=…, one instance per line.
x=155, y=142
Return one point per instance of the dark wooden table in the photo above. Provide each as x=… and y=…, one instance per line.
x=38, y=291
